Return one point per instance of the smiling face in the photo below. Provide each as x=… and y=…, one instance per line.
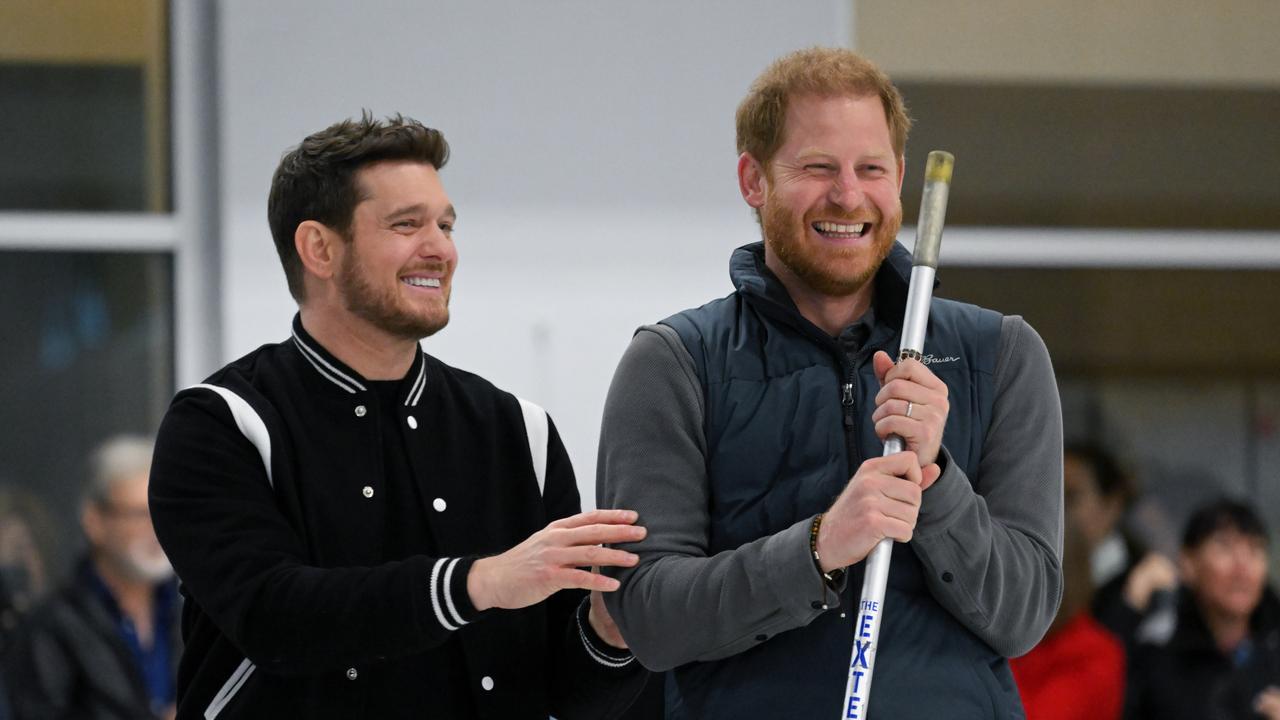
x=396, y=270
x=1227, y=573
x=829, y=200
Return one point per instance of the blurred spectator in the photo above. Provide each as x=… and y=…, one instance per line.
x=1223, y=657
x=1077, y=670
x=104, y=646
x=22, y=567
x=23, y=576
x=1098, y=495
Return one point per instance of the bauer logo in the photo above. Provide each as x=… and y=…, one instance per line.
x=935, y=359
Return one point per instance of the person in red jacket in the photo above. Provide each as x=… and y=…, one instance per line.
x=1077, y=672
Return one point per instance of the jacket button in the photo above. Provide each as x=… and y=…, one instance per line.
x=947, y=577
x=360, y=411
x=818, y=605
x=368, y=491
x=413, y=422
x=486, y=682
x=439, y=504
x=352, y=674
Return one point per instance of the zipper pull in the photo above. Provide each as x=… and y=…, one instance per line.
x=846, y=400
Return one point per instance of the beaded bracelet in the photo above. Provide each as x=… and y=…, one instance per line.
x=830, y=579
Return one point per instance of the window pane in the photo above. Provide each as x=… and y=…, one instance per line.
x=1096, y=156
x=1176, y=371
x=87, y=353
x=1100, y=321
x=84, y=106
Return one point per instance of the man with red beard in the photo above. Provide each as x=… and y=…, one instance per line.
x=362, y=531
x=748, y=435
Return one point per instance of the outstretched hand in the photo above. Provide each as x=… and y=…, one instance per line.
x=554, y=559
x=912, y=404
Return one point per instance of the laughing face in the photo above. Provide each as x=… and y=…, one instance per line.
x=829, y=200
x=397, y=269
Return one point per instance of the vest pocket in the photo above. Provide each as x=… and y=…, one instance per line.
x=997, y=679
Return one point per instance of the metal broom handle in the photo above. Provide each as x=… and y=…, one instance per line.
x=866, y=635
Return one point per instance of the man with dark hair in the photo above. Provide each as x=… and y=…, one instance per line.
x=748, y=434
x=106, y=645
x=361, y=530
x=1222, y=659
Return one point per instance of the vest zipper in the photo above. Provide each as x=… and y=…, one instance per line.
x=849, y=363
x=849, y=403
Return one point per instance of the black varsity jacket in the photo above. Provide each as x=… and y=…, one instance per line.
x=266, y=494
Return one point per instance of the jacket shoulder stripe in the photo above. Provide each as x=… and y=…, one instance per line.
x=229, y=689
x=249, y=422
x=535, y=426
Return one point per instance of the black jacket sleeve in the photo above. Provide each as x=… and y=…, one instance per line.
x=216, y=513
x=589, y=678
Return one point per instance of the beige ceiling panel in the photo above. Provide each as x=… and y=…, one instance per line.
x=80, y=31
x=1224, y=42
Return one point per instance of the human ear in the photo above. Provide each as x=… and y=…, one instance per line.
x=316, y=244
x=752, y=180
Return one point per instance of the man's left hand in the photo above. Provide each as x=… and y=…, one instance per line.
x=602, y=623
x=909, y=385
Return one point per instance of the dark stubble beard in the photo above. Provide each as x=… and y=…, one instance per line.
x=380, y=307
x=832, y=271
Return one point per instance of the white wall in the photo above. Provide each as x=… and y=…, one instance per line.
x=593, y=163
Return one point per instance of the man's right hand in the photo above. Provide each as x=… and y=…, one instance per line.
x=882, y=500
x=1267, y=703
x=1153, y=574
x=553, y=559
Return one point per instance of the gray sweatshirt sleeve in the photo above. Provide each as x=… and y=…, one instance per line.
x=679, y=605
x=993, y=555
